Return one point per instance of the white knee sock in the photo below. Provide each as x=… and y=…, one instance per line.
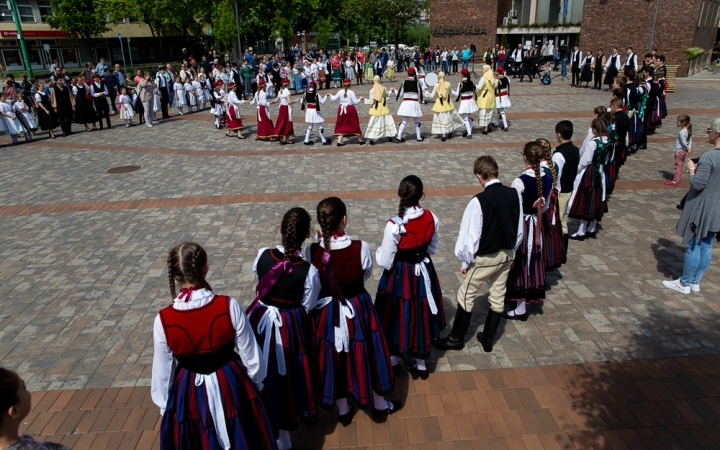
x=283, y=441
x=468, y=124
x=380, y=402
x=417, y=130
x=504, y=119
x=401, y=128
x=420, y=363
x=592, y=226
x=307, y=134
x=395, y=360
x=180, y=109
x=322, y=134
x=342, y=406
x=217, y=121
x=520, y=309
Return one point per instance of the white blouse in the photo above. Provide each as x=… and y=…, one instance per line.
x=351, y=98
x=385, y=254
x=337, y=243
x=284, y=96
x=312, y=281
x=260, y=99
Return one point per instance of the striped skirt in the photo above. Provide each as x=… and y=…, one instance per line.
x=188, y=425
x=402, y=303
x=380, y=127
x=446, y=122
x=588, y=201
x=526, y=280
x=552, y=235
x=635, y=134
x=484, y=117
x=365, y=367
x=290, y=396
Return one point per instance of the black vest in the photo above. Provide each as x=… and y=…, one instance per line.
x=289, y=289
x=572, y=159
x=466, y=86
x=410, y=86
x=500, y=207
x=311, y=98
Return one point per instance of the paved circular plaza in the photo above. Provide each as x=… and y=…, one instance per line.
x=83, y=273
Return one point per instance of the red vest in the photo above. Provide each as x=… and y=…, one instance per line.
x=197, y=331
x=347, y=266
x=418, y=232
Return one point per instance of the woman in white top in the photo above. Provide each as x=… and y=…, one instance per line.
x=7, y=114
x=233, y=121
x=283, y=125
x=179, y=102
x=347, y=123
x=349, y=69
x=264, y=124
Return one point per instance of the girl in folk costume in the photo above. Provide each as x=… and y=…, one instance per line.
x=409, y=299
x=381, y=121
x=199, y=94
x=233, y=121
x=190, y=93
x=445, y=119
x=390, y=69
x=218, y=97
x=502, y=98
x=350, y=345
x=526, y=282
x=47, y=119
x=297, y=79
x=369, y=71
x=466, y=96
x=612, y=67
x=264, y=124
x=311, y=102
x=336, y=71
x=586, y=69
x=486, y=98
x=126, y=107
x=206, y=89
x=410, y=106
x=12, y=125
x=207, y=366
x=287, y=290
x=347, y=123
x=587, y=202
x=84, y=110
x=552, y=227
x=179, y=102
x=22, y=111
x=283, y=125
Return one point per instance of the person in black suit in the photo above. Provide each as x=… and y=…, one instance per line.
x=526, y=67
x=576, y=59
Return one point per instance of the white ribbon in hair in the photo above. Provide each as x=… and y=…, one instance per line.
x=421, y=268
x=272, y=319
x=399, y=227
x=342, y=333
x=216, y=408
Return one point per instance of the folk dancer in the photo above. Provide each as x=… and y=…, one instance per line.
x=466, y=96
x=485, y=98
x=264, y=124
x=410, y=107
x=381, y=121
x=283, y=129
x=234, y=123
x=347, y=122
x=445, y=118
x=612, y=66
x=502, y=98
x=310, y=103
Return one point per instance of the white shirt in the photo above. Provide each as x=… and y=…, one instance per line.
x=468, y=240
x=232, y=99
x=96, y=90
x=260, y=99
x=559, y=161
x=164, y=363
x=517, y=55
x=577, y=55
x=631, y=60
x=284, y=96
x=385, y=254
x=338, y=243
x=351, y=98
x=617, y=61
x=177, y=87
x=312, y=280
x=587, y=153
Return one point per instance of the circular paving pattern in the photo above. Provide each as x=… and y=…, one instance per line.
x=124, y=169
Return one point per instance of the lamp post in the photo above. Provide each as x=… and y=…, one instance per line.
x=21, y=38
x=237, y=28
x=652, y=33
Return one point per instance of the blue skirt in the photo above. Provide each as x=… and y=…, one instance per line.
x=365, y=367
x=402, y=303
x=188, y=425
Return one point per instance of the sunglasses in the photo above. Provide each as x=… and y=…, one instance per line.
x=710, y=130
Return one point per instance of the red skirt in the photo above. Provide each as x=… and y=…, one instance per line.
x=264, y=124
x=233, y=118
x=283, y=126
x=347, y=124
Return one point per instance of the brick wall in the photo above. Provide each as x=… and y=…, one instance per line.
x=628, y=23
x=464, y=14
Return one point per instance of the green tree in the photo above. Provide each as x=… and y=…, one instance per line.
x=87, y=18
x=373, y=16
x=223, y=22
x=323, y=28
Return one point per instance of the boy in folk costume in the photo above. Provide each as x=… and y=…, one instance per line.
x=486, y=98
x=612, y=67
x=283, y=125
x=446, y=119
x=466, y=96
x=311, y=102
x=217, y=104
x=410, y=107
x=381, y=121
x=234, y=123
x=502, y=98
x=264, y=124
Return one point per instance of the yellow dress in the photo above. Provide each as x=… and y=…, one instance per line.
x=381, y=122
x=485, y=101
x=446, y=119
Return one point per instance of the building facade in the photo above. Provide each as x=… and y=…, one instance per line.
x=592, y=24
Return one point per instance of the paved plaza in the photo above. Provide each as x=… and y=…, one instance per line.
x=610, y=360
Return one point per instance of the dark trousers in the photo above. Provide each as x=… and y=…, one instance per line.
x=455, y=65
x=598, y=78
x=140, y=110
x=575, y=74
x=164, y=99
x=328, y=79
x=102, y=110
x=65, y=119
x=113, y=96
x=526, y=70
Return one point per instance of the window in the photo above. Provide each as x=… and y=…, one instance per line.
x=5, y=13
x=45, y=9
x=25, y=11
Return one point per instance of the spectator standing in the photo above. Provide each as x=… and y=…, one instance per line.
x=466, y=53
x=101, y=66
x=146, y=94
x=455, y=57
x=111, y=84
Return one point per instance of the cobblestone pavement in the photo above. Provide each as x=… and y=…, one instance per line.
x=82, y=254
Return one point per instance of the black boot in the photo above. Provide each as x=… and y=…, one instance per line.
x=456, y=339
x=566, y=243
x=486, y=336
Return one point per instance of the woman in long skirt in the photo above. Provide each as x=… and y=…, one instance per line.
x=336, y=65
x=486, y=98
x=283, y=125
x=233, y=120
x=381, y=121
x=347, y=122
x=84, y=109
x=47, y=119
x=12, y=125
x=264, y=124
x=526, y=281
x=552, y=227
x=586, y=69
x=445, y=118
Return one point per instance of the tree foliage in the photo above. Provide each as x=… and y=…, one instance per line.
x=87, y=18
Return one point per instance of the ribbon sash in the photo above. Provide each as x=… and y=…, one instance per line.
x=421, y=269
x=270, y=320
x=217, y=413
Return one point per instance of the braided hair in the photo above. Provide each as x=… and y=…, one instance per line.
x=294, y=228
x=9, y=389
x=533, y=153
x=185, y=264
x=600, y=127
x=330, y=212
x=410, y=193
x=547, y=156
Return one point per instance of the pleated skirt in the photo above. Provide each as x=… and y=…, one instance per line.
x=347, y=124
x=552, y=235
x=446, y=122
x=588, y=201
x=233, y=120
x=188, y=425
x=380, y=127
x=484, y=117
x=264, y=124
x=283, y=125
x=526, y=280
x=365, y=368
x=402, y=303
x=291, y=396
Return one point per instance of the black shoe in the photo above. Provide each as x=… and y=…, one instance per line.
x=455, y=340
x=592, y=235
x=422, y=374
x=469, y=136
x=371, y=142
x=485, y=132
x=361, y=142
x=380, y=415
x=420, y=140
x=443, y=139
x=346, y=419
x=465, y=134
x=327, y=142
x=340, y=144
x=309, y=142
x=577, y=237
x=486, y=336
x=399, y=140
x=398, y=370
x=521, y=317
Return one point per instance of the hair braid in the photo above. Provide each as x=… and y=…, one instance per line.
x=288, y=239
x=171, y=276
x=325, y=229
x=538, y=177
x=547, y=156
x=294, y=228
x=402, y=207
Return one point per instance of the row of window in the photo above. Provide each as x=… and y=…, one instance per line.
x=26, y=11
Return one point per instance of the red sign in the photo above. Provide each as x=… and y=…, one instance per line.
x=34, y=33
